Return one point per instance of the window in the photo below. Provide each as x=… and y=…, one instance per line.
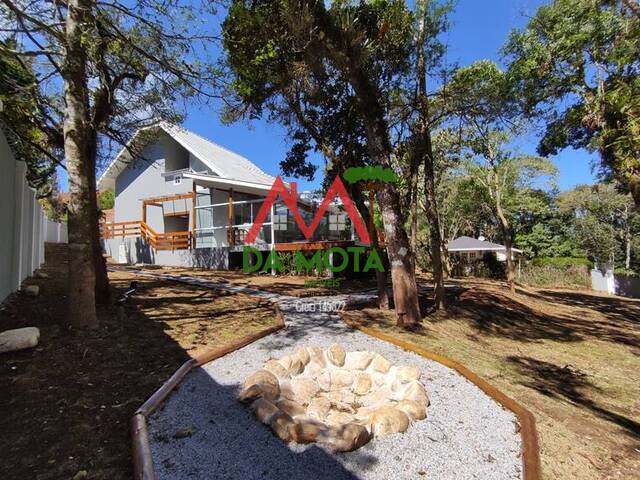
x=177, y=180
x=280, y=222
x=337, y=222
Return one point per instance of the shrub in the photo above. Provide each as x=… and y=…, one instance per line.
x=562, y=261
x=556, y=275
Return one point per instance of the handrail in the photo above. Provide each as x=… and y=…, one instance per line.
x=158, y=240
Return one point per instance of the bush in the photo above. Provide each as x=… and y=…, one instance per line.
x=556, y=275
x=562, y=262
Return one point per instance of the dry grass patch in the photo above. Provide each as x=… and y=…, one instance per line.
x=294, y=285
x=571, y=357
x=198, y=319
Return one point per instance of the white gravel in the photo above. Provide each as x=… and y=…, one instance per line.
x=466, y=434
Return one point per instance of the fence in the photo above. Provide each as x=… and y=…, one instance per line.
x=614, y=284
x=24, y=228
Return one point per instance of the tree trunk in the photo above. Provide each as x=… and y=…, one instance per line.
x=627, y=239
x=634, y=187
x=434, y=228
x=102, y=279
x=508, y=243
x=82, y=306
x=423, y=149
x=405, y=289
x=353, y=66
x=366, y=213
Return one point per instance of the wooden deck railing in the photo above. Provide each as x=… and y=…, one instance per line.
x=138, y=228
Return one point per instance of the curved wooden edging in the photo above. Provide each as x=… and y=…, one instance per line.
x=141, y=450
x=528, y=432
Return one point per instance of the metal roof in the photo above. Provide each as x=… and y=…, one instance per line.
x=468, y=244
x=222, y=161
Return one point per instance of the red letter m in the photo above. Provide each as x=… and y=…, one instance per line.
x=290, y=200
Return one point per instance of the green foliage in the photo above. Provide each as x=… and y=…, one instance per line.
x=559, y=276
x=106, y=199
x=562, y=262
x=577, y=65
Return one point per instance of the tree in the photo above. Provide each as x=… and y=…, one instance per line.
x=603, y=221
x=507, y=183
x=103, y=70
x=576, y=65
x=349, y=57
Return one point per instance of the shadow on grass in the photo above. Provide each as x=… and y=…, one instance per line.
x=568, y=384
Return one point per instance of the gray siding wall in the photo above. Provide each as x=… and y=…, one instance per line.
x=143, y=179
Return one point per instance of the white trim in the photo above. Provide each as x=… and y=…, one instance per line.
x=227, y=181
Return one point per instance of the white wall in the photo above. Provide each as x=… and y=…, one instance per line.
x=24, y=226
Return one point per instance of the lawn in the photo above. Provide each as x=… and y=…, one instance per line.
x=66, y=404
x=571, y=357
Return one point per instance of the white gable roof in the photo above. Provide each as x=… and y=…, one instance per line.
x=221, y=161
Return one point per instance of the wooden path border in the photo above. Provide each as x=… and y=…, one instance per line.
x=141, y=450
x=530, y=451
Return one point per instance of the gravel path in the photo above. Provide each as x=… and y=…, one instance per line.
x=203, y=432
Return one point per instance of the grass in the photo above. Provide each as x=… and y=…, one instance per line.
x=571, y=357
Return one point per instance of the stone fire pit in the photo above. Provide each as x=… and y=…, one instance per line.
x=342, y=399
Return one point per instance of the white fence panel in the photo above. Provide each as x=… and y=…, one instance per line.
x=25, y=227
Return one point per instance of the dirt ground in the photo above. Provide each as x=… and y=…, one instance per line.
x=571, y=357
x=66, y=404
x=294, y=285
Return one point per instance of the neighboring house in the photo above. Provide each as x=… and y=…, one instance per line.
x=475, y=248
x=188, y=201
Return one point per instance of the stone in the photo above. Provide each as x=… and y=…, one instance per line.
x=316, y=355
x=19, y=339
x=292, y=364
x=406, y=374
x=358, y=360
x=414, y=410
x=380, y=364
x=318, y=408
x=386, y=420
x=284, y=426
x=336, y=355
x=349, y=437
x=416, y=392
x=362, y=384
x=260, y=384
x=335, y=418
x=304, y=389
x=264, y=410
x=41, y=274
x=332, y=380
x=32, y=290
x=303, y=355
x=290, y=407
x=276, y=368
x=381, y=395
x=341, y=399
x=308, y=431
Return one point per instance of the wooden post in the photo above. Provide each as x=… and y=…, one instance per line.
x=230, y=236
x=193, y=216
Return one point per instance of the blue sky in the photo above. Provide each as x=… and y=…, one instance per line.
x=479, y=29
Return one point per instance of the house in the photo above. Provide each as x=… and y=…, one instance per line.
x=475, y=248
x=183, y=200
